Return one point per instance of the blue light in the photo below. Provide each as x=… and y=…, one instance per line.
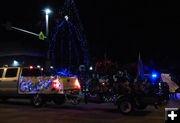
x=76, y=37
x=65, y=72
x=154, y=75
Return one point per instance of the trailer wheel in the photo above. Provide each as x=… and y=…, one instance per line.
x=125, y=106
x=38, y=100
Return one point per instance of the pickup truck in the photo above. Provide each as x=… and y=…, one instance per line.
x=33, y=83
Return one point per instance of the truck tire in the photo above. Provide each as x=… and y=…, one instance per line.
x=37, y=100
x=125, y=106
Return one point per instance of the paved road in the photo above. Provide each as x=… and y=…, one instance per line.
x=20, y=111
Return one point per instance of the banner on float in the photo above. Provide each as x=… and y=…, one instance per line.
x=172, y=85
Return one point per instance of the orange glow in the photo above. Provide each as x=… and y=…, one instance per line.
x=76, y=84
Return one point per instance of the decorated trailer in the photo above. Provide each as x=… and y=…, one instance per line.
x=35, y=84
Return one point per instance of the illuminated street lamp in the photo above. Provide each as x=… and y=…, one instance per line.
x=47, y=11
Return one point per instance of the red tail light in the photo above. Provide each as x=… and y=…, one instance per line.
x=77, y=84
x=56, y=84
x=31, y=67
x=103, y=83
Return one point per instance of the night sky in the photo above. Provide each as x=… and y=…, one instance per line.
x=118, y=28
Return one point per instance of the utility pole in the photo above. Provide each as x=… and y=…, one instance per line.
x=41, y=36
x=48, y=61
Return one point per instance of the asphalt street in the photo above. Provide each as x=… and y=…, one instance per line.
x=21, y=111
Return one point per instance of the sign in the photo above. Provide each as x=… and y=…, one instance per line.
x=172, y=85
x=41, y=36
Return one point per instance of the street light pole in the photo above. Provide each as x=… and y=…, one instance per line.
x=47, y=19
x=48, y=63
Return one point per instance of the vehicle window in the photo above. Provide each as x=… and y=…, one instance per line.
x=11, y=72
x=1, y=72
x=31, y=72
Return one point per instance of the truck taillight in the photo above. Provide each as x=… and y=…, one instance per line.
x=56, y=84
x=77, y=84
x=31, y=67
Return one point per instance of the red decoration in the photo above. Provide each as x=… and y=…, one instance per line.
x=77, y=84
x=106, y=67
x=31, y=67
x=56, y=83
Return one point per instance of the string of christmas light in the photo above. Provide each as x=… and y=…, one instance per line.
x=75, y=30
x=26, y=84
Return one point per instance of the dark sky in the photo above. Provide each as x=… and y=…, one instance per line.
x=119, y=27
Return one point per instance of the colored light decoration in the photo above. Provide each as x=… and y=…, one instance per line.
x=91, y=68
x=27, y=85
x=31, y=67
x=77, y=84
x=154, y=75
x=56, y=84
x=66, y=17
x=65, y=72
x=69, y=26
x=38, y=66
x=103, y=83
x=37, y=87
x=106, y=67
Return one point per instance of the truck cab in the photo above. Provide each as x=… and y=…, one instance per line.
x=9, y=81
